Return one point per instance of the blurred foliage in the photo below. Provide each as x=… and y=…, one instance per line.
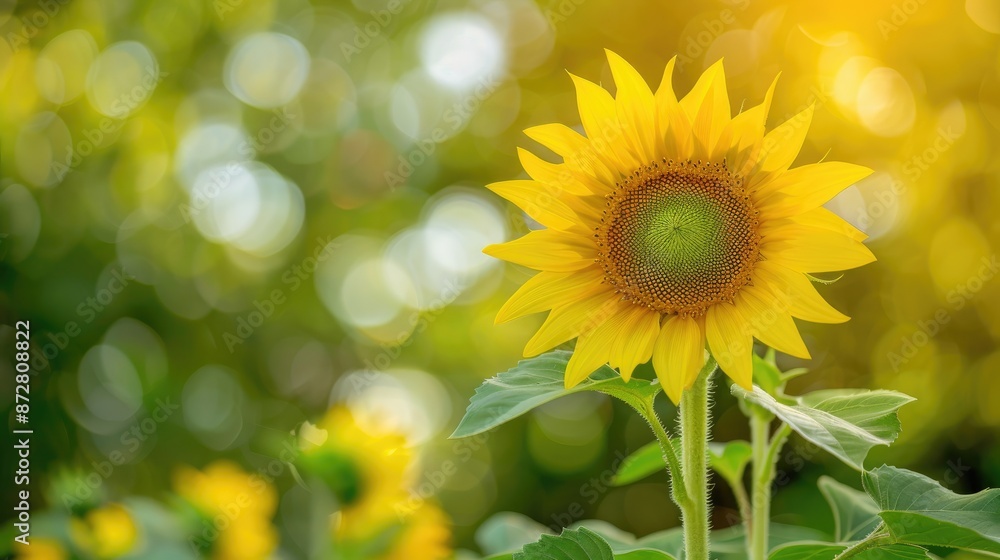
x=222, y=217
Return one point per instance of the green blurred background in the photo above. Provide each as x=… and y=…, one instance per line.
x=260, y=209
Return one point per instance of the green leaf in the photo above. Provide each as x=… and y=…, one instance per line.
x=645, y=461
x=895, y=552
x=730, y=543
x=670, y=541
x=847, y=423
x=578, y=544
x=787, y=376
x=623, y=544
x=730, y=459
x=824, y=281
x=617, y=539
x=507, y=531
x=918, y=510
x=644, y=554
x=537, y=381
x=766, y=373
x=807, y=550
x=855, y=515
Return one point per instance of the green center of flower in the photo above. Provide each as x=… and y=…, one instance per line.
x=679, y=237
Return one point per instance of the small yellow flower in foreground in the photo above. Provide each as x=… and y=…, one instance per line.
x=41, y=549
x=371, y=472
x=237, y=508
x=671, y=223
x=425, y=535
x=106, y=532
x=367, y=470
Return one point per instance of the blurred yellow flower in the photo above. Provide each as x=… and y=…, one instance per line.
x=237, y=508
x=105, y=532
x=370, y=471
x=671, y=223
x=425, y=535
x=41, y=549
x=367, y=470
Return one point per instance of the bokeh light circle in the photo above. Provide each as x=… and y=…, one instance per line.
x=122, y=79
x=225, y=202
x=886, y=105
x=266, y=70
x=62, y=66
x=212, y=404
x=461, y=49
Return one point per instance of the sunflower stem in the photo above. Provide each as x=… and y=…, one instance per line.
x=678, y=490
x=765, y=457
x=694, y=454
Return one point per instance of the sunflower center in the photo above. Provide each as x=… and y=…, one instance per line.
x=679, y=237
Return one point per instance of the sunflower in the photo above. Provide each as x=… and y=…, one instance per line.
x=41, y=548
x=366, y=470
x=105, y=532
x=371, y=473
x=235, y=509
x=671, y=223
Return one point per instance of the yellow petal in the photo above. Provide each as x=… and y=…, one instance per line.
x=707, y=108
x=570, y=321
x=678, y=355
x=558, y=174
x=600, y=121
x=819, y=251
x=806, y=187
x=826, y=219
x=781, y=146
x=547, y=249
x=546, y=290
x=798, y=292
x=574, y=148
x=672, y=124
x=747, y=135
x=559, y=138
x=591, y=352
x=731, y=343
x=636, y=334
x=541, y=201
x=635, y=106
x=770, y=322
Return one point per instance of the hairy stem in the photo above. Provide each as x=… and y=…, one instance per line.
x=694, y=455
x=765, y=457
x=678, y=491
x=742, y=500
x=879, y=537
x=761, y=487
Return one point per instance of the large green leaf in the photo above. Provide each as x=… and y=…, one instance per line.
x=855, y=514
x=918, y=510
x=730, y=543
x=582, y=544
x=847, y=423
x=643, y=554
x=828, y=551
x=728, y=459
x=572, y=544
x=537, y=381
x=806, y=550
